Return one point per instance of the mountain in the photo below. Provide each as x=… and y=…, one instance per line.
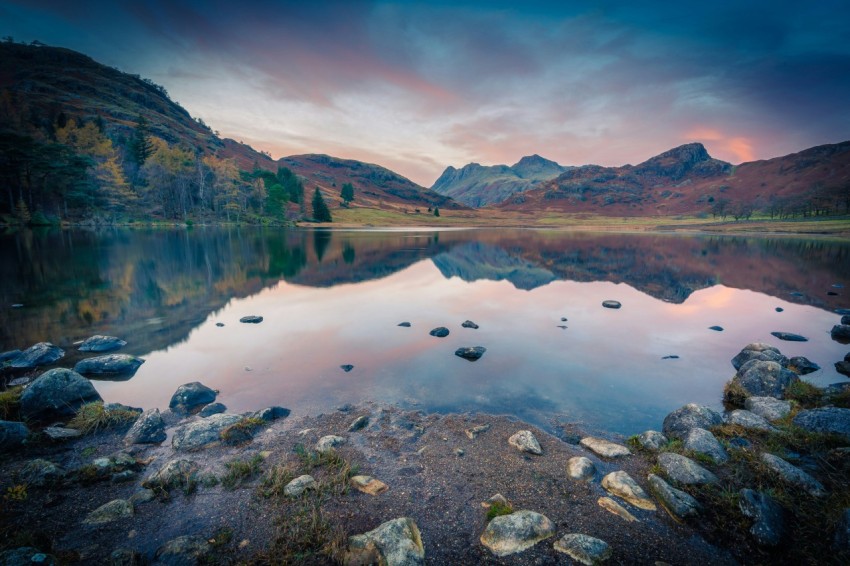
x=479, y=185
x=687, y=180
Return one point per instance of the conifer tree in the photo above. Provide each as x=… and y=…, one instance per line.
x=321, y=213
x=347, y=193
x=141, y=146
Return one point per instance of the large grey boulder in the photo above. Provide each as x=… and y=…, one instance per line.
x=509, y=534
x=12, y=434
x=582, y=548
x=768, y=517
x=680, y=422
x=759, y=351
x=763, y=379
x=198, y=434
x=41, y=354
x=108, y=365
x=794, y=475
x=684, y=470
x=703, y=442
x=98, y=343
x=149, y=428
x=191, y=395
x=57, y=394
x=830, y=420
x=394, y=543
x=769, y=408
x=748, y=420
x=679, y=504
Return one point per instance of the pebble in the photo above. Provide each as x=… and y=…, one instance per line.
x=525, y=441
x=580, y=468
x=622, y=485
x=605, y=448
x=613, y=507
x=585, y=549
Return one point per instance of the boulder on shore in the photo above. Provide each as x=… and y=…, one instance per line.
x=582, y=548
x=684, y=470
x=622, y=485
x=762, y=379
x=768, y=516
x=98, y=343
x=680, y=422
x=830, y=420
x=518, y=531
x=57, y=394
x=802, y=365
x=204, y=432
x=394, y=543
x=149, y=428
x=41, y=354
x=678, y=503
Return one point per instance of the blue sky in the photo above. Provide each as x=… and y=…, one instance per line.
x=417, y=86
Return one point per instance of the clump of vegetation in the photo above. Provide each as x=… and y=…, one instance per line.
x=221, y=537
x=497, y=509
x=17, y=492
x=734, y=394
x=241, y=431
x=275, y=479
x=804, y=393
x=240, y=470
x=10, y=403
x=93, y=417
x=305, y=536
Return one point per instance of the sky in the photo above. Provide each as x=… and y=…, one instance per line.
x=417, y=86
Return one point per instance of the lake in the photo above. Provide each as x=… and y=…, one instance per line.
x=331, y=298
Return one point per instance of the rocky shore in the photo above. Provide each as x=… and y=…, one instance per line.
x=765, y=481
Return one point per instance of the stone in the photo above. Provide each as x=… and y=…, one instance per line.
x=9, y=356
x=843, y=367
x=346, y=367
x=57, y=394
x=17, y=382
x=98, y=343
x=839, y=333
x=183, y=551
x=108, y=512
x=202, y=433
x=270, y=414
x=41, y=473
x=841, y=539
x=174, y=474
x=801, y=365
x=524, y=441
x=764, y=379
x=580, y=468
x=794, y=475
x=748, y=420
x=703, y=442
x=830, y=420
x=759, y=351
x=369, y=485
x=473, y=432
x=41, y=354
x=845, y=319
x=12, y=435
x=622, y=485
x=613, y=507
x=142, y=496
x=26, y=556
x=768, y=517
x=604, y=448
x=677, y=503
x=583, y=548
x=219, y=324
x=611, y=304
x=678, y=423
x=212, y=409
x=652, y=440
x=790, y=337
x=359, y=423
x=842, y=312
x=394, y=543
x=251, y=319
x=684, y=470
x=671, y=357
x=471, y=353
x=769, y=408
x=404, y=324
x=299, y=485
x=469, y=324
x=497, y=499
x=440, y=332
x=191, y=395
x=779, y=309
x=149, y=428
x=109, y=365
x=329, y=442
x=518, y=531
x=716, y=328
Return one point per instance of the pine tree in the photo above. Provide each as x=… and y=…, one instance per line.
x=141, y=146
x=347, y=193
x=321, y=213
x=436, y=211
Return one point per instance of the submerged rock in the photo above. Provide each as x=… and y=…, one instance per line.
x=509, y=534
x=525, y=441
x=57, y=394
x=98, y=343
x=790, y=337
x=149, y=428
x=394, y=543
x=679, y=423
x=609, y=304
x=440, y=332
x=679, y=504
x=41, y=354
x=768, y=517
x=684, y=470
x=471, y=353
x=830, y=420
x=759, y=351
x=251, y=319
x=110, y=364
x=794, y=475
x=582, y=548
x=605, y=448
x=622, y=485
x=191, y=395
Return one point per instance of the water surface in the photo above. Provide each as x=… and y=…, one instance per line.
x=336, y=297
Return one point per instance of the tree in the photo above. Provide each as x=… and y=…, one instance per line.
x=321, y=212
x=141, y=146
x=436, y=211
x=347, y=193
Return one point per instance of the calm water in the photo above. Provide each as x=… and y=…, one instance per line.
x=332, y=298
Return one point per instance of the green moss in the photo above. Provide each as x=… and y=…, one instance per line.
x=10, y=404
x=241, y=431
x=497, y=509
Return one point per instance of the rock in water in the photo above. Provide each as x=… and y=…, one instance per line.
x=605, y=448
x=768, y=407
x=471, y=353
x=270, y=414
x=9, y=356
x=404, y=324
x=299, y=485
x=840, y=333
x=469, y=324
x=57, y=394
x=347, y=367
x=440, y=332
x=769, y=522
x=98, y=343
x=212, y=409
x=763, y=379
x=251, y=319
x=623, y=486
x=611, y=304
x=790, y=337
x=12, y=434
x=716, y=328
x=109, y=365
x=40, y=354
x=843, y=367
x=678, y=423
x=583, y=548
x=802, y=365
x=191, y=395
x=679, y=504
x=509, y=534
x=524, y=441
x=831, y=420
x=149, y=428
x=702, y=441
x=394, y=543
x=580, y=468
x=684, y=470
x=759, y=351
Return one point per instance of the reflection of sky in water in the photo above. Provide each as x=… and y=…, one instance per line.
x=605, y=370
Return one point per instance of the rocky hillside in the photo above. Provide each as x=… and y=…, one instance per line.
x=479, y=185
x=687, y=180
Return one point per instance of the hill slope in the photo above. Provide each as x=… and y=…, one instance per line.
x=479, y=185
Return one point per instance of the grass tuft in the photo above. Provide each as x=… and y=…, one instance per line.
x=238, y=471
x=241, y=431
x=93, y=417
x=804, y=393
x=497, y=509
x=10, y=404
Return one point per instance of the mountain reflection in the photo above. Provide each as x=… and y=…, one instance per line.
x=154, y=286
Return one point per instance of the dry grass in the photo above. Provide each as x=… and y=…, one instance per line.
x=10, y=404
x=93, y=417
x=239, y=471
